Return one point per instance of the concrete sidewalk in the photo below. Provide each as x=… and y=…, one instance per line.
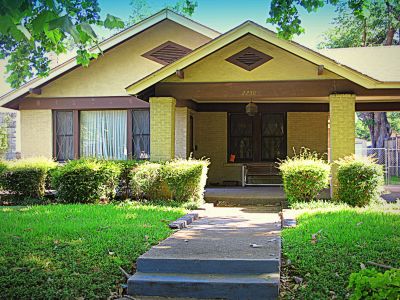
x=229, y=253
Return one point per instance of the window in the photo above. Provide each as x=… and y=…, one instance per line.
x=141, y=134
x=258, y=138
x=64, y=135
x=272, y=137
x=103, y=134
x=241, y=137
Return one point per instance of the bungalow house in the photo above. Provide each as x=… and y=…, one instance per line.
x=171, y=87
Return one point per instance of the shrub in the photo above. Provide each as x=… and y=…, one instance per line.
x=146, y=181
x=304, y=176
x=360, y=180
x=86, y=180
x=371, y=284
x=186, y=179
x=27, y=177
x=124, y=186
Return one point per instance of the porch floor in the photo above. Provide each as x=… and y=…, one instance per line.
x=273, y=196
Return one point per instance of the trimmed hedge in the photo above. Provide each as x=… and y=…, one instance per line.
x=86, y=180
x=360, y=180
x=304, y=176
x=371, y=284
x=26, y=177
x=180, y=180
x=186, y=179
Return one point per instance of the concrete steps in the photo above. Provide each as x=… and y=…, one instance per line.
x=230, y=253
x=205, y=286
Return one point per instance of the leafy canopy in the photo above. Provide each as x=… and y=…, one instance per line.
x=29, y=30
x=285, y=13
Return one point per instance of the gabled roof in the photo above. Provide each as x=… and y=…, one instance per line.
x=381, y=63
x=108, y=44
x=250, y=27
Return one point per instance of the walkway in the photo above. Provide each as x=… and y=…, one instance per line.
x=229, y=253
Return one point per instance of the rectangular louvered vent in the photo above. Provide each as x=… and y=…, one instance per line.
x=249, y=59
x=167, y=53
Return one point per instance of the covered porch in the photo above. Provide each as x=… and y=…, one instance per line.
x=303, y=99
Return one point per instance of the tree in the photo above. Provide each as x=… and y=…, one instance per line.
x=141, y=9
x=30, y=30
x=358, y=23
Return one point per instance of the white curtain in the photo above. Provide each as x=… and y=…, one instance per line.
x=103, y=134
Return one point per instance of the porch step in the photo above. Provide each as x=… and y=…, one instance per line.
x=274, y=205
x=205, y=286
x=207, y=266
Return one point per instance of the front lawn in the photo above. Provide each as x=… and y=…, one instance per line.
x=74, y=251
x=343, y=240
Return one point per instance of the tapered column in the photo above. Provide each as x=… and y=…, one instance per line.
x=342, y=129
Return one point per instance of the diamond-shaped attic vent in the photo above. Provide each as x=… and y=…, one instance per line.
x=167, y=53
x=249, y=59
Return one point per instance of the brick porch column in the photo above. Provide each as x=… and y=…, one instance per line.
x=162, y=128
x=342, y=129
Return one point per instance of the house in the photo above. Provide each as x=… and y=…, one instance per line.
x=169, y=86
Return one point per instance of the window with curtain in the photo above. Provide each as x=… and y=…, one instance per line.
x=241, y=137
x=64, y=135
x=103, y=134
x=141, y=134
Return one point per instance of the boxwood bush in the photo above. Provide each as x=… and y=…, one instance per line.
x=186, y=179
x=371, y=284
x=86, y=180
x=181, y=180
x=359, y=180
x=304, y=176
x=26, y=178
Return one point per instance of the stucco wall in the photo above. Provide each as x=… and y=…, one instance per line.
x=283, y=66
x=307, y=129
x=36, y=133
x=108, y=75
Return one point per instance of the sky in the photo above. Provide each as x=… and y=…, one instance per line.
x=221, y=15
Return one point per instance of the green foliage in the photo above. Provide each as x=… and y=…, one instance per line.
x=29, y=30
x=125, y=166
x=142, y=10
x=26, y=177
x=86, y=180
x=180, y=180
x=344, y=238
x=73, y=251
x=304, y=176
x=146, y=181
x=371, y=284
x=353, y=16
x=360, y=180
x=186, y=179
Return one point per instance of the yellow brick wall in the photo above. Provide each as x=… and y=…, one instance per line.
x=181, y=132
x=211, y=141
x=36, y=133
x=307, y=129
x=162, y=128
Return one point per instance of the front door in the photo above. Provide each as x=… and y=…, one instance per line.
x=261, y=138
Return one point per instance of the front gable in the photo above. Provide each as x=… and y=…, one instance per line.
x=271, y=63
x=109, y=74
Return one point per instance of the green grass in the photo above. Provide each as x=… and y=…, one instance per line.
x=347, y=237
x=73, y=251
